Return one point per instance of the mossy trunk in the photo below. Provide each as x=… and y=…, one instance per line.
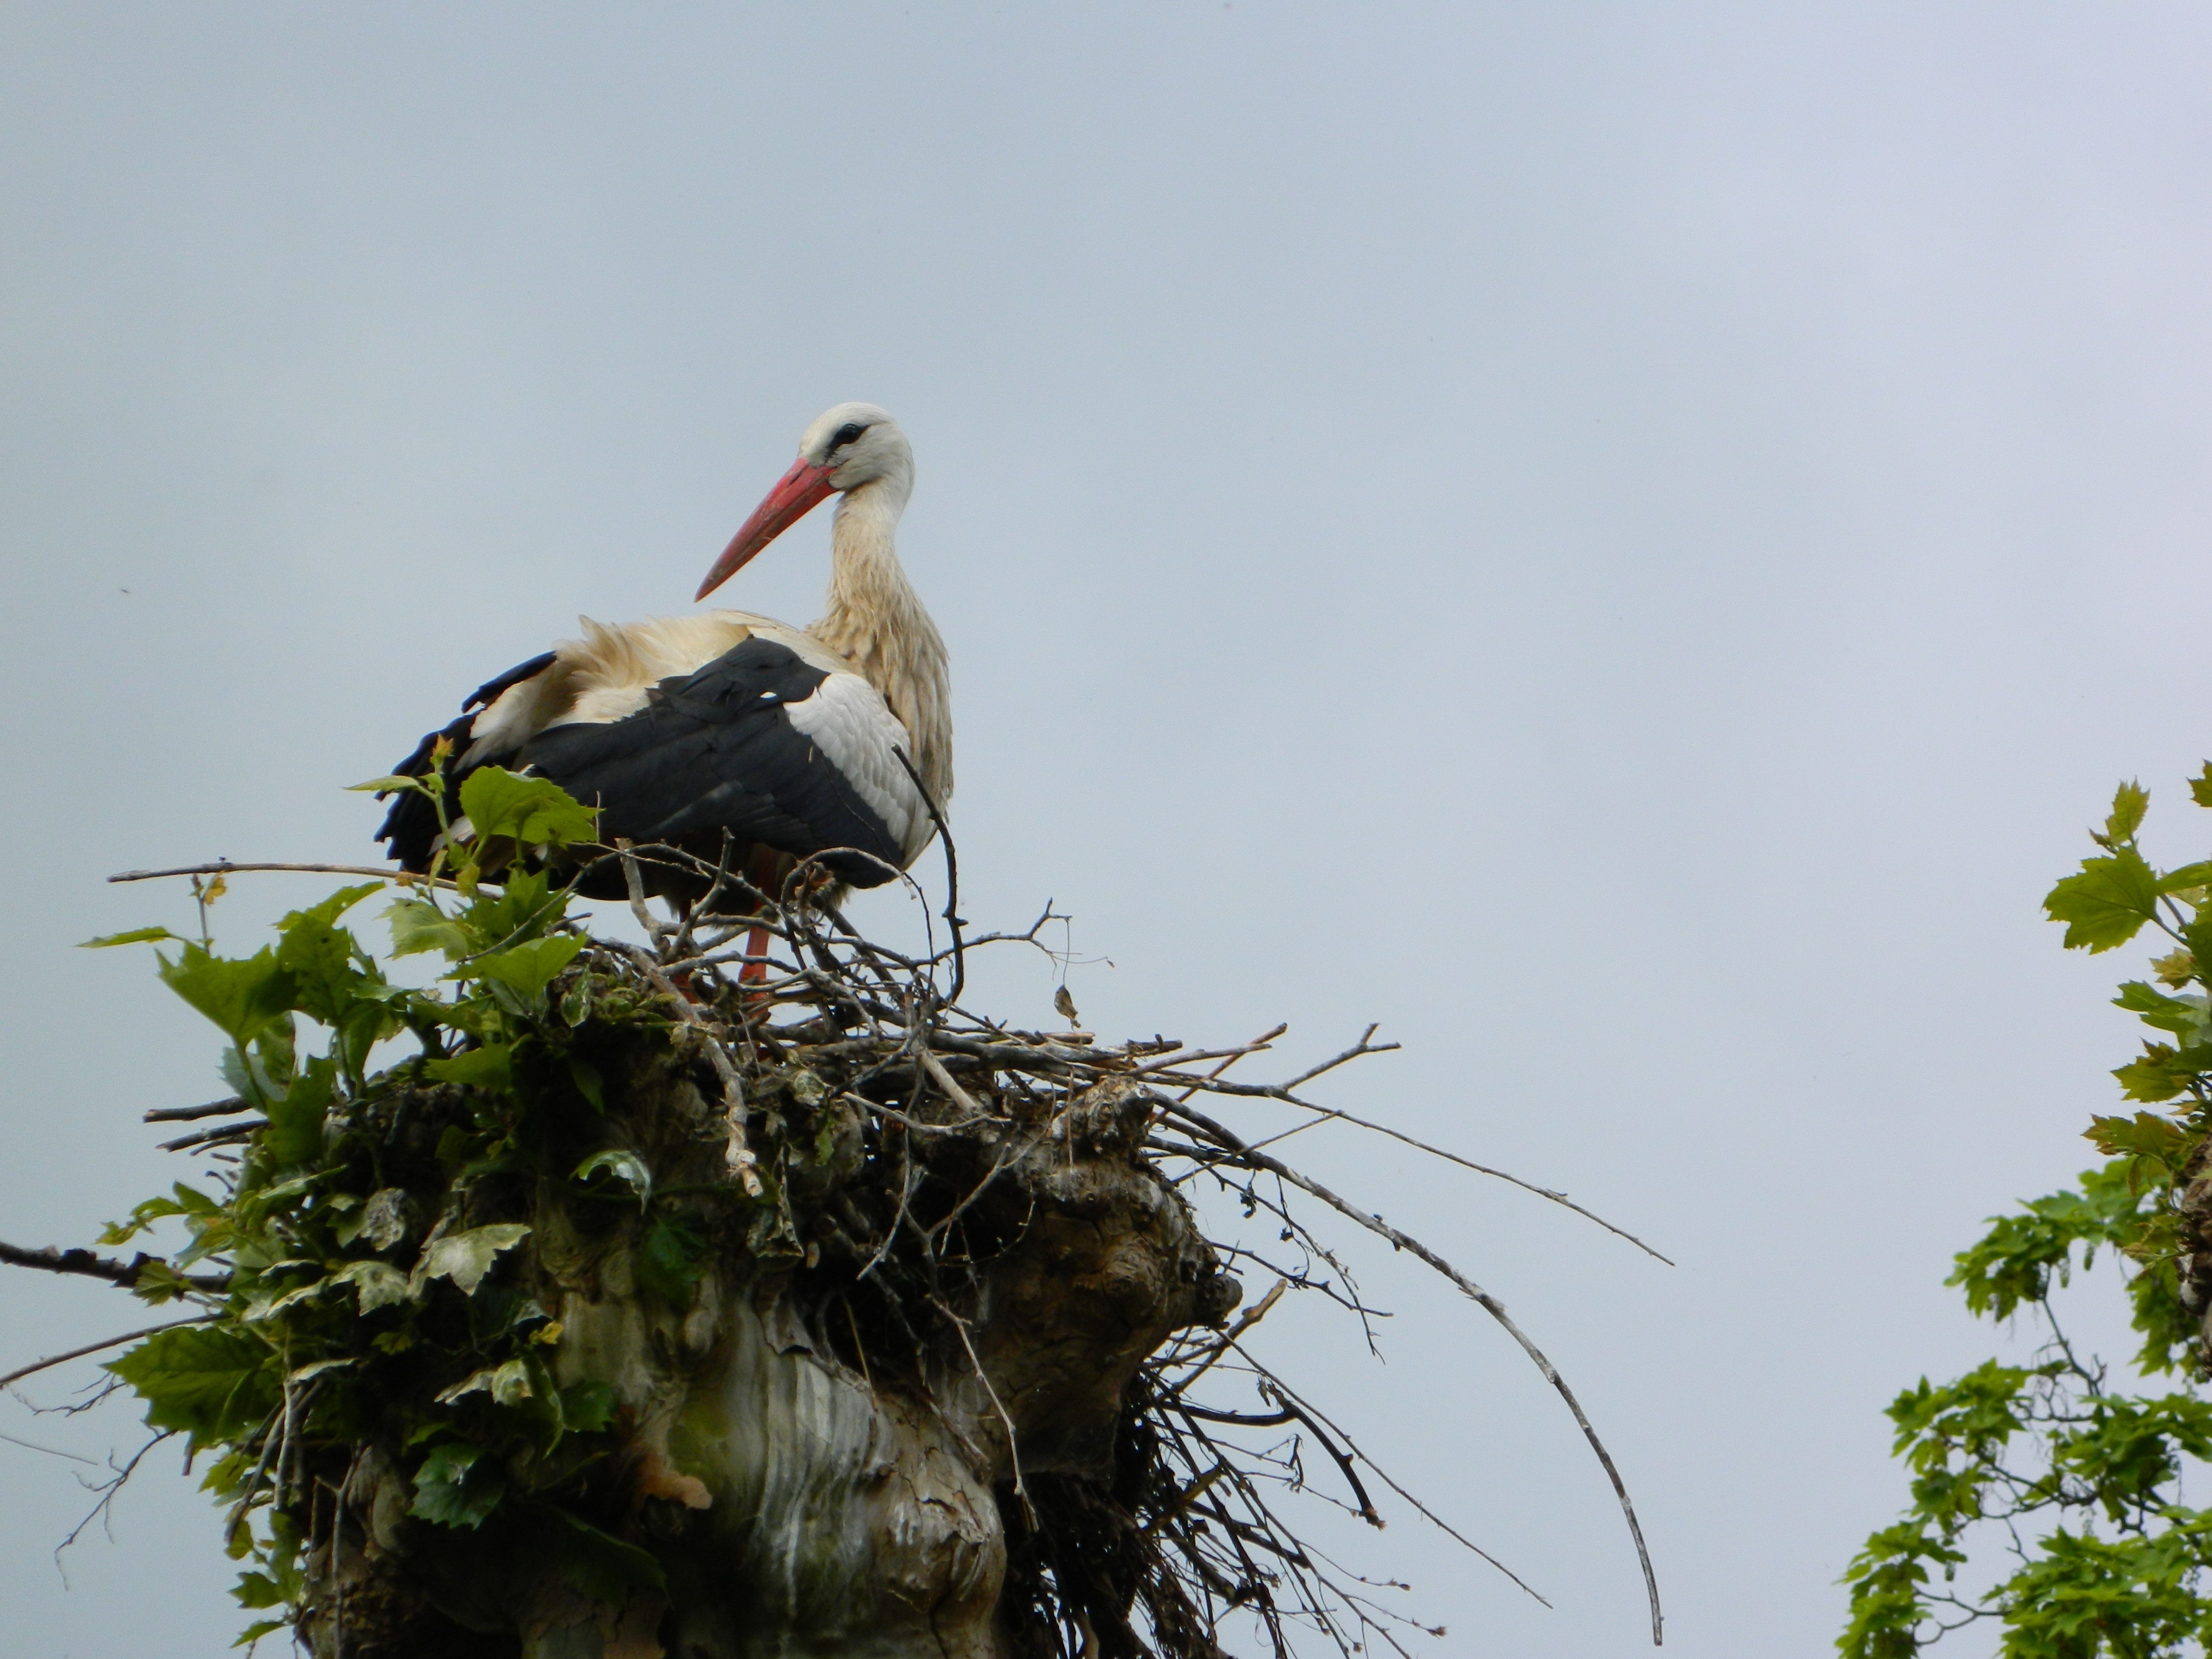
x=832, y=1405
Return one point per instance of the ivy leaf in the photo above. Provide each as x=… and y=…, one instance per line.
x=535, y=811
x=243, y=996
x=625, y=1166
x=672, y=1259
x=2107, y=903
x=379, y=1283
x=212, y=1384
x=589, y=1083
x=465, y=1258
x=488, y=1067
x=456, y=1486
x=586, y=1408
x=507, y=1385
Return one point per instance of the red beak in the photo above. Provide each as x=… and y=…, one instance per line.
x=798, y=493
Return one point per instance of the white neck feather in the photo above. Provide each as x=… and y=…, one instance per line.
x=875, y=620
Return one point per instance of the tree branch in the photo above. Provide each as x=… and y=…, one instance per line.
x=86, y=1264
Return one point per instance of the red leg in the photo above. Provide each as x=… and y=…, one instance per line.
x=763, y=877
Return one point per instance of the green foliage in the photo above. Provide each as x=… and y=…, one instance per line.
x=2046, y=1478
x=370, y=1296
x=214, y=1385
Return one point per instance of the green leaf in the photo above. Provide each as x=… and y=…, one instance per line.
x=188, y=1201
x=526, y=906
x=456, y=1486
x=2181, y=1015
x=2145, y=1135
x=380, y=1283
x=529, y=968
x=603, y=1566
x=212, y=1384
x=625, y=1166
x=295, y=1134
x=2107, y=903
x=586, y=1408
x=2129, y=802
x=535, y=811
x=508, y=1385
x=2190, y=875
x=2200, y=787
x=488, y=1067
x=259, y=1589
x=242, y=996
x=417, y=926
x=324, y=961
x=136, y=935
x=2164, y=1070
x=465, y=1258
x=390, y=781
x=672, y=1259
x=589, y=1083
x=2015, y=1262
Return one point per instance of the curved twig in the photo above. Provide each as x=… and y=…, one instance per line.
x=1490, y=1304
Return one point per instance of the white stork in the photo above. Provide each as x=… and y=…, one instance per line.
x=680, y=728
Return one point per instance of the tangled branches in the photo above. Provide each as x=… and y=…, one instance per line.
x=689, y=1294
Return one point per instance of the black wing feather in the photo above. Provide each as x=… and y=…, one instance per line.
x=715, y=750
x=411, y=828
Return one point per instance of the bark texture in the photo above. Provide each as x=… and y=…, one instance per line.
x=834, y=1415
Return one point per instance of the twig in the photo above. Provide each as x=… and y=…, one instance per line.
x=1013, y=1447
x=1489, y=1303
x=212, y=1136
x=1274, y=1383
x=935, y=1067
x=86, y=1264
x=229, y=1108
x=635, y=882
x=951, y=912
x=1327, y=1114
x=224, y=867
x=737, y=1155
x=1229, y=1337
x=51, y=1360
x=51, y=1452
x=1212, y=1085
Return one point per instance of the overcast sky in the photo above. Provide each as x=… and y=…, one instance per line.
x=1625, y=542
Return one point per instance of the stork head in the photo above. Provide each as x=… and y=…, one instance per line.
x=848, y=447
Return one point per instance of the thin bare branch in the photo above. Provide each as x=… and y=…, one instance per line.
x=51, y=1360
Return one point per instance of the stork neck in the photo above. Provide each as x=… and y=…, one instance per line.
x=874, y=619
x=865, y=576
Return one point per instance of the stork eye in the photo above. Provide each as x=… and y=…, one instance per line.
x=847, y=434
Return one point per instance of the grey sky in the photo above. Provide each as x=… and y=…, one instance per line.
x=1622, y=541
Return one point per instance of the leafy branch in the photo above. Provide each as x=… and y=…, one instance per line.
x=2066, y=1486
